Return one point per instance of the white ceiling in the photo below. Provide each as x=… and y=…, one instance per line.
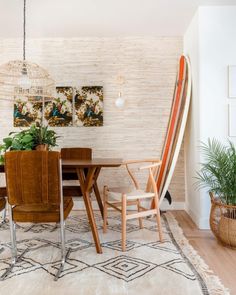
x=74, y=18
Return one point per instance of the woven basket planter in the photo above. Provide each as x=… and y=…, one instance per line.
x=223, y=222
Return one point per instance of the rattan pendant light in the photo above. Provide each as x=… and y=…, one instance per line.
x=20, y=79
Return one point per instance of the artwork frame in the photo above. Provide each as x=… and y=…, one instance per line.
x=232, y=81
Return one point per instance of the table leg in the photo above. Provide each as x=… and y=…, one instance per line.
x=85, y=184
x=96, y=190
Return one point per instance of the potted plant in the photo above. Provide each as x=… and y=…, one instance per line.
x=43, y=138
x=218, y=175
x=34, y=138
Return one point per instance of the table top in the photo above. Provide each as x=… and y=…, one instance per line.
x=96, y=162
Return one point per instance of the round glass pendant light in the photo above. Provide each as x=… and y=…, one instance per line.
x=120, y=102
x=20, y=79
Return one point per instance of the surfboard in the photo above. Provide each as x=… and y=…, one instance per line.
x=181, y=113
x=176, y=126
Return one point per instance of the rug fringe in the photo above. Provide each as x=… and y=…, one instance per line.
x=214, y=284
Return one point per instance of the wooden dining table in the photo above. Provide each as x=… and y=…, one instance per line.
x=87, y=181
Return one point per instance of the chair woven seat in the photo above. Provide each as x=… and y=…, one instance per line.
x=131, y=194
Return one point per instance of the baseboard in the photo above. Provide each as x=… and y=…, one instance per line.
x=79, y=205
x=174, y=205
x=202, y=223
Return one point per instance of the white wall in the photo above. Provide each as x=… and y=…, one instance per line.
x=192, y=133
x=211, y=44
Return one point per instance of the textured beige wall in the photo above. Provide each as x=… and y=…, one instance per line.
x=149, y=66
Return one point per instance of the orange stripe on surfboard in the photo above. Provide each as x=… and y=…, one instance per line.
x=178, y=127
x=172, y=122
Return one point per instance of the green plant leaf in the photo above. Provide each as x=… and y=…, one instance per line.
x=7, y=141
x=1, y=159
x=27, y=138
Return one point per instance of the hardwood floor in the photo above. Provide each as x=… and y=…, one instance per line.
x=220, y=259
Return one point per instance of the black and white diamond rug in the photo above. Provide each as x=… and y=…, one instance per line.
x=147, y=267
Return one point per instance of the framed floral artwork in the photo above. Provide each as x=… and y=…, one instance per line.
x=27, y=113
x=58, y=112
x=80, y=106
x=88, y=106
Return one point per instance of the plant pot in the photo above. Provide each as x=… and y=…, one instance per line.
x=223, y=222
x=41, y=147
x=227, y=230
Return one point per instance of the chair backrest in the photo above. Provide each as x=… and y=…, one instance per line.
x=153, y=170
x=33, y=177
x=76, y=153
x=152, y=167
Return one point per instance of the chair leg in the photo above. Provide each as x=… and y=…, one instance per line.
x=64, y=253
x=158, y=217
x=98, y=198
x=12, y=235
x=105, y=209
x=140, y=218
x=124, y=204
x=13, y=246
x=4, y=214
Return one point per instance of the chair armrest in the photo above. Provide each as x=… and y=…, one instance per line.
x=150, y=166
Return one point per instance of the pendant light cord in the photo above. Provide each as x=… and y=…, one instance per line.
x=24, y=32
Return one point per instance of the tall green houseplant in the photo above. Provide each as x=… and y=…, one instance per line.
x=218, y=172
